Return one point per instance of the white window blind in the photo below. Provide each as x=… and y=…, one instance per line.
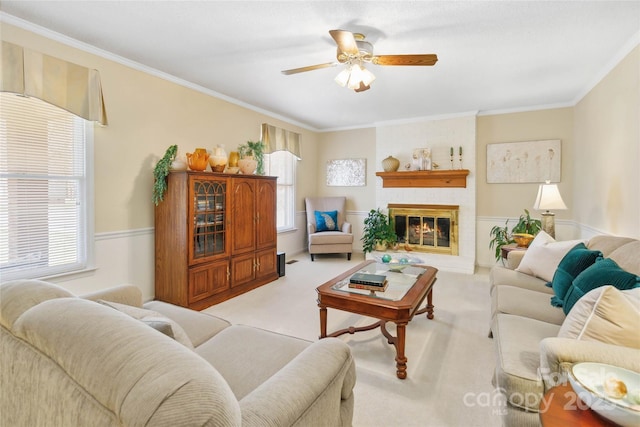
x=283, y=165
x=43, y=189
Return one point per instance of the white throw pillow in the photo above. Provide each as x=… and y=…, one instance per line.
x=155, y=320
x=543, y=256
x=605, y=314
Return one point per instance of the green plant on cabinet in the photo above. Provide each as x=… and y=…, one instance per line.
x=255, y=149
x=160, y=173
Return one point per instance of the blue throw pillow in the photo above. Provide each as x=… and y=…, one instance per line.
x=326, y=221
x=572, y=264
x=603, y=272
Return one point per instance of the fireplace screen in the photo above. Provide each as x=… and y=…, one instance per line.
x=426, y=228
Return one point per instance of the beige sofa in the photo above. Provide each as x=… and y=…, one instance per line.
x=97, y=360
x=536, y=343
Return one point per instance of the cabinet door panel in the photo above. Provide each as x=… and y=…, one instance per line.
x=266, y=214
x=243, y=269
x=208, y=229
x=244, y=215
x=266, y=262
x=208, y=280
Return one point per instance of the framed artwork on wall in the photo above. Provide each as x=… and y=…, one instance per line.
x=520, y=162
x=346, y=173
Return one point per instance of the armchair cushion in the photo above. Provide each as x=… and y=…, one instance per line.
x=607, y=315
x=326, y=221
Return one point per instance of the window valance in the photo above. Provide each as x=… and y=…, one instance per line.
x=69, y=86
x=277, y=139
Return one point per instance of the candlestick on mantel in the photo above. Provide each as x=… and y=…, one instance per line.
x=451, y=151
x=460, y=151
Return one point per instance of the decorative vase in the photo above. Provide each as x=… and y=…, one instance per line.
x=233, y=159
x=247, y=165
x=198, y=160
x=218, y=160
x=390, y=164
x=179, y=164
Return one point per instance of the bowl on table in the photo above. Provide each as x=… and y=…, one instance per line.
x=610, y=391
x=523, y=239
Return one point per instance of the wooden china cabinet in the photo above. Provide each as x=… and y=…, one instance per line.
x=215, y=237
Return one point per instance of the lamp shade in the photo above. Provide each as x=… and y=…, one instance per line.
x=549, y=198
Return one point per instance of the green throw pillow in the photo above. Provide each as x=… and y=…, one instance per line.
x=326, y=221
x=603, y=272
x=572, y=264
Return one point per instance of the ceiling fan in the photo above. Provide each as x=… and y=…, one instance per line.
x=354, y=51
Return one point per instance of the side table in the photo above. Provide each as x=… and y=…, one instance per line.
x=561, y=407
x=504, y=250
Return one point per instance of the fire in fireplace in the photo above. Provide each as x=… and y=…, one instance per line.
x=426, y=228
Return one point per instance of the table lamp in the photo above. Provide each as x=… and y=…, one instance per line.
x=549, y=198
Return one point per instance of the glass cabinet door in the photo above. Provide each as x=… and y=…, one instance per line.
x=209, y=231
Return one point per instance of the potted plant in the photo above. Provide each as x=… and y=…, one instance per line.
x=160, y=173
x=378, y=231
x=501, y=236
x=255, y=150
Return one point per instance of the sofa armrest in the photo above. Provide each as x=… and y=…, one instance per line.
x=303, y=390
x=514, y=258
x=123, y=294
x=311, y=228
x=557, y=355
x=346, y=227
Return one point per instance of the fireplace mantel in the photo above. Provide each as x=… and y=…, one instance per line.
x=456, y=178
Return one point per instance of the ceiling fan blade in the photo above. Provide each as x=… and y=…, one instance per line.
x=308, y=68
x=428, y=59
x=345, y=41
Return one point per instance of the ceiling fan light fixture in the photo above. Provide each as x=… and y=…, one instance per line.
x=343, y=78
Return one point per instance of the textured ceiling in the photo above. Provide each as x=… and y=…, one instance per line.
x=493, y=56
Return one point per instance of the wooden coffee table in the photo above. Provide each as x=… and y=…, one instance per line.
x=398, y=304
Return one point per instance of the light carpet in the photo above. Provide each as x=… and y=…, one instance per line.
x=450, y=358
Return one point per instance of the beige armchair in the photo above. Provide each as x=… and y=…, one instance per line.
x=329, y=233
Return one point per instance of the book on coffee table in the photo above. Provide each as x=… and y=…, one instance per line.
x=368, y=279
x=369, y=287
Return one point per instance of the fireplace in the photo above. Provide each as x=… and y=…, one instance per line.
x=426, y=228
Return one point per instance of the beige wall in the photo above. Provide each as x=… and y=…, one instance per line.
x=146, y=115
x=607, y=155
x=351, y=144
x=510, y=200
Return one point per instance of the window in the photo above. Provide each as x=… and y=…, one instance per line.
x=44, y=189
x=283, y=165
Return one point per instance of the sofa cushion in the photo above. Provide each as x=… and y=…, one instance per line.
x=18, y=296
x=326, y=221
x=572, y=264
x=543, y=256
x=143, y=377
x=603, y=272
x=607, y=244
x=502, y=276
x=627, y=257
x=199, y=326
x=516, y=340
x=246, y=356
x=153, y=319
x=525, y=303
x=607, y=315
